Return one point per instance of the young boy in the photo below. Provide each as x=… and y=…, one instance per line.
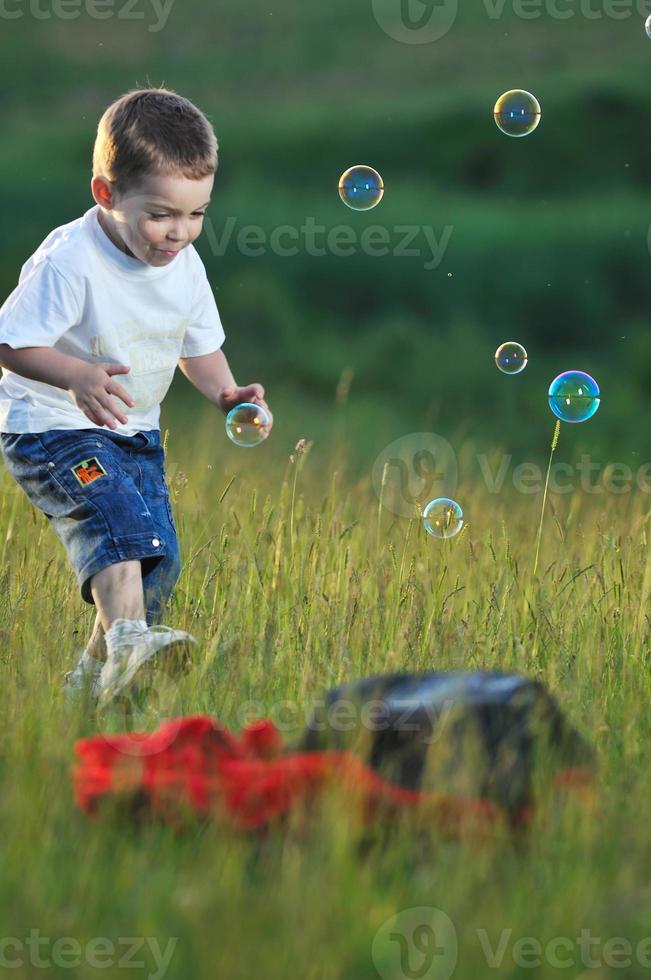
x=104, y=310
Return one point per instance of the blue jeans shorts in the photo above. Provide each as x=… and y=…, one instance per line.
x=106, y=497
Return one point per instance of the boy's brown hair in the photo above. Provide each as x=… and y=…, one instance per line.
x=153, y=132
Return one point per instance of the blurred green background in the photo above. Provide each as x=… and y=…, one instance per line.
x=547, y=235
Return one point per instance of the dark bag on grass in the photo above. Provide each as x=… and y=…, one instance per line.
x=477, y=735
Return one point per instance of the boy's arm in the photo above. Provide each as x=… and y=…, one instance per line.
x=211, y=375
x=41, y=364
x=90, y=384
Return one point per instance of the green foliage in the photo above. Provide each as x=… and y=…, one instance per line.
x=548, y=240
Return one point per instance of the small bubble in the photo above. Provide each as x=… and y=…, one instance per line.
x=517, y=113
x=361, y=188
x=511, y=357
x=443, y=518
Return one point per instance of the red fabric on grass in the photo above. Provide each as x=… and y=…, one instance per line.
x=194, y=762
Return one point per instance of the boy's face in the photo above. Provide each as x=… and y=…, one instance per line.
x=157, y=218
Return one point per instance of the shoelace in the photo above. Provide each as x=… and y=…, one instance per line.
x=132, y=631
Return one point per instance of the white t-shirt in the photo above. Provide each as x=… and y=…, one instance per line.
x=81, y=295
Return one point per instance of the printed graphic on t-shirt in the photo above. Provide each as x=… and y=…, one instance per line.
x=88, y=470
x=151, y=349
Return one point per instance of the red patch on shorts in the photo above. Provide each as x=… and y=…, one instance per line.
x=88, y=470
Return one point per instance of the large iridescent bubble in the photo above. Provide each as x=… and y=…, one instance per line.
x=247, y=424
x=361, y=188
x=517, y=113
x=574, y=396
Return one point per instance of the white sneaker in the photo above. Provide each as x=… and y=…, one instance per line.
x=83, y=680
x=136, y=650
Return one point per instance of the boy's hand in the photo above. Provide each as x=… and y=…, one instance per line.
x=230, y=397
x=92, y=385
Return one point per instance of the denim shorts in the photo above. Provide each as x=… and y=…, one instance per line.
x=106, y=497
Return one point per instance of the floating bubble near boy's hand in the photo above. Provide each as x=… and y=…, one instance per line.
x=361, y=188
x=247, y=425
x=647, y=26
x=443, y=518
x=574, y=396
x=511, y=358
x=517, y=113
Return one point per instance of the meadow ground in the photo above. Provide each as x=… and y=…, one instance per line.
x=295, y=580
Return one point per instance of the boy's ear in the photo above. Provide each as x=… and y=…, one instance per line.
x=102, y=191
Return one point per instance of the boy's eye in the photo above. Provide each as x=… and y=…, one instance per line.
x=197, y=214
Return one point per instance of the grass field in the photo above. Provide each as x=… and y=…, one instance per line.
x=295, y=580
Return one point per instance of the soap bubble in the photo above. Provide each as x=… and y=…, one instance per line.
x=361, y=188
x=517, y=113
x=247, y=424
x=647, y=26
x=574, y=396
x=511, y=358
x=443, y=518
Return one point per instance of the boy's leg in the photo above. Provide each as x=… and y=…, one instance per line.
x=96, y=646
x=161, y=583
x=117, y=592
